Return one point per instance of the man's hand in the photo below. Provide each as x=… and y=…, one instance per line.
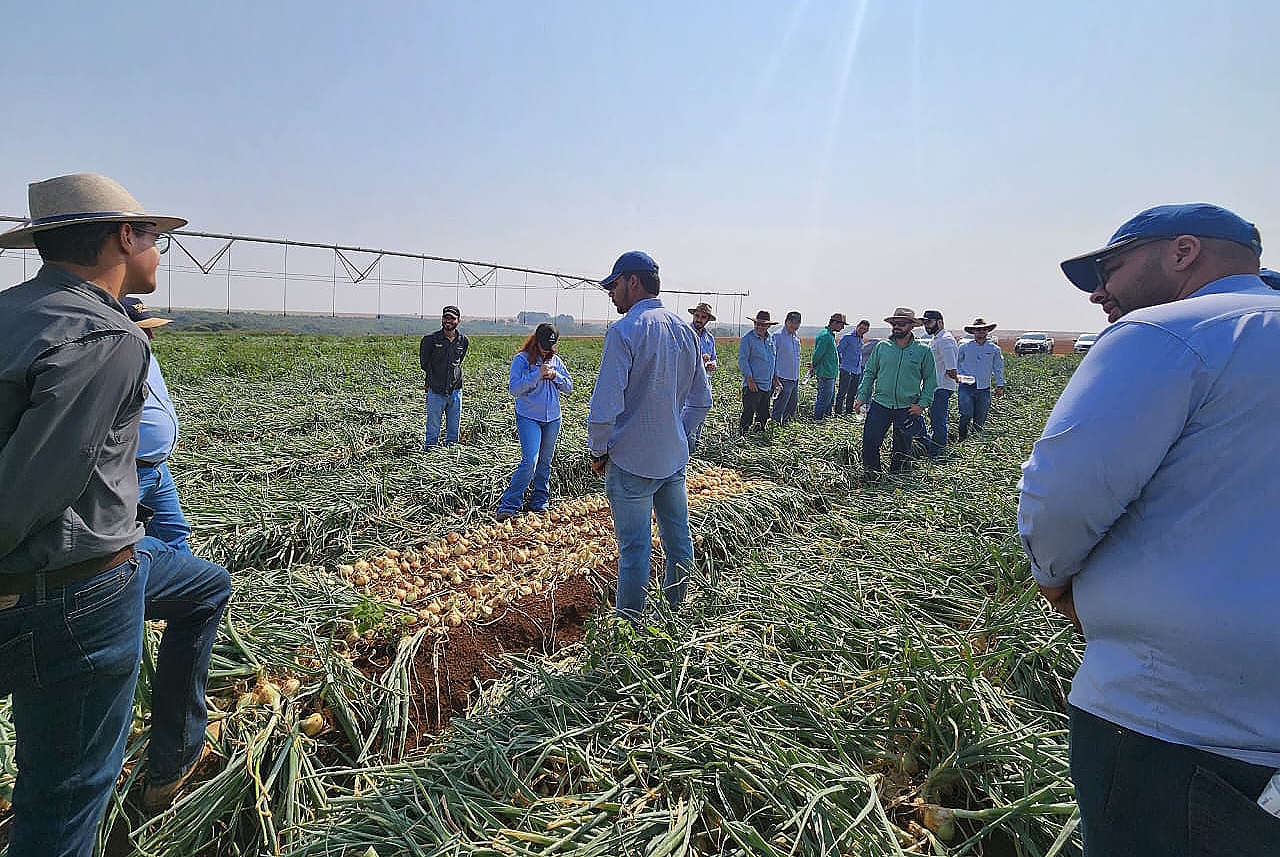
x=1062, y=600
x=999, y=392
x=598, y=465
x=953, y=374
x=426, y=386
x=752, y=386
x=915, y=410
x=857, y=406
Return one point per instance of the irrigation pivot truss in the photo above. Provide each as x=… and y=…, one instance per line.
x=278, y=275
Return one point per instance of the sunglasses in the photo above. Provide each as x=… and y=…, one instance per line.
x=162, y=238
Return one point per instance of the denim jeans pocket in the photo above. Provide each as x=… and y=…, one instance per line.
x=101, y=630
x=101, y=590
x=17, y=663
x=1222, y=820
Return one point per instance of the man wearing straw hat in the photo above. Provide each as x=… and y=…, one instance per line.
x=899, y=381
x=758, y=362
x=706, y=342
x=1147, y=509
x=74, y=565
x=978, y=361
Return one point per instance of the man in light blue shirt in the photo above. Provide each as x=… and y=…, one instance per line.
x=1148, y=510
x=978, y=360
x=706, y=341
x=787, y=342
x=850, y=352
x=758, y=362
x=649, y=401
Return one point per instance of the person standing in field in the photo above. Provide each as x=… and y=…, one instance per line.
x=649, y=402
x=758, y=362
x=441, y=355
x=898, y=381
x=75, y=566
x=1146, y=509
x=978, y=361
x=826, y=365
x=787, y=343
x=850, y=351
x=945, y=357
x=538, y=380
x=706, y=342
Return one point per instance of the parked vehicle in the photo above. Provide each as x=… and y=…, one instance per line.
x=1033, y=343
x=1084, y=342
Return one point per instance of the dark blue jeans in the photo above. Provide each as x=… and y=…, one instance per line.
x=190, y=594
x=973, y=404
x=1142, y=797
x=938, y=421
x=906, y=429
x=635, y=501
x=446, y=407
x=825, y=397
x=784, y=406
x=537, y=445
x=70, y=657
x=157, y=491
x=847, y=391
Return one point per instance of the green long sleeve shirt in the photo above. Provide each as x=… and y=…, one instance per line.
x=899, y=377
x=826, y=362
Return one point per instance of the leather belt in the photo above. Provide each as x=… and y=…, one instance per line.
x=24, y=584
x=141, y=463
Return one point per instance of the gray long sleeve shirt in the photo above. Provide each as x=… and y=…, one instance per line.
x=73, y=372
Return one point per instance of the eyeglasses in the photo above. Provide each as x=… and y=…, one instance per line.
x=162, y=238
x=1100, y=263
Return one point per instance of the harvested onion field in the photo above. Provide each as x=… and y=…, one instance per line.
x=856, y=671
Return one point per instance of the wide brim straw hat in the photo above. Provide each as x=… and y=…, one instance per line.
x=979, y=323
x=703, y=307
x=905, y=314
x=762, y=317
x=80, y=198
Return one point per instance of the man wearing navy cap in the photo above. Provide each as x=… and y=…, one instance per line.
x=1147, y=510
x=441, y=354
x=648, y=405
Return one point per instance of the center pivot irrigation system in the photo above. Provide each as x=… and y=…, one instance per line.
x=334, y=279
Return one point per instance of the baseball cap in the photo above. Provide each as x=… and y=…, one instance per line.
x=547, y=336
x=140, y=314
x=1165, y=221
x=932, y=315
x=450, y=310
x=631, y=262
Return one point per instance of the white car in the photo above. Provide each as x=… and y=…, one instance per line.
x=1084, y=342
x=1033, y=343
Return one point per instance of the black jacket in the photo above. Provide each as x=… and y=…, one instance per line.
x=442, y=361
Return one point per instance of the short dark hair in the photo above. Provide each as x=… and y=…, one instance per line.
x=792, y=316
x=864, y=321
x=649, y=280
x=78, y=244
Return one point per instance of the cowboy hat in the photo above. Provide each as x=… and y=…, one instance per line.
x=904, y=313
x=704, y=307
x=762, y=317
x=80, y=198
x=979, y=323
x=141, y=314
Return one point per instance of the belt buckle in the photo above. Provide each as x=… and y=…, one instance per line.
x=7, y=601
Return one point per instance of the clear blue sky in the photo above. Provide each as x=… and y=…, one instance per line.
x=825, y=156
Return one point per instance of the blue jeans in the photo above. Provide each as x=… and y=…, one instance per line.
x=784, y=406
x=1143, y=797
x=938, y=421
x=847, y=391
x=634, y=500
x=448, y=406
x=190, y=594
x=906, y=429
x=69, y=656
x=826, y=397
x=157, y=492
x=974, y=404
x=537, y=445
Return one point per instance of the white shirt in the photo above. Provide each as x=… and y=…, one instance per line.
x=945, y=356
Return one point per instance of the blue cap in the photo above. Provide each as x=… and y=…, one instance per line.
x=1165, y=221
x=631, y=262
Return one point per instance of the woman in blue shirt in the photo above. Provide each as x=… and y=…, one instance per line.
x=538, y=377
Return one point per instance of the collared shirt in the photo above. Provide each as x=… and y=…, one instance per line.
x=73, y=372
x=944, y=350
x=788, y=346
x=441, y=360
x=758, y=359
x=980, y=361
x=1154, y=491
x=158, y=430
x=850, y=350
x=707, y=345
x=899, y=377
x=652, y=394
x=536, y=397
x=825, y=362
